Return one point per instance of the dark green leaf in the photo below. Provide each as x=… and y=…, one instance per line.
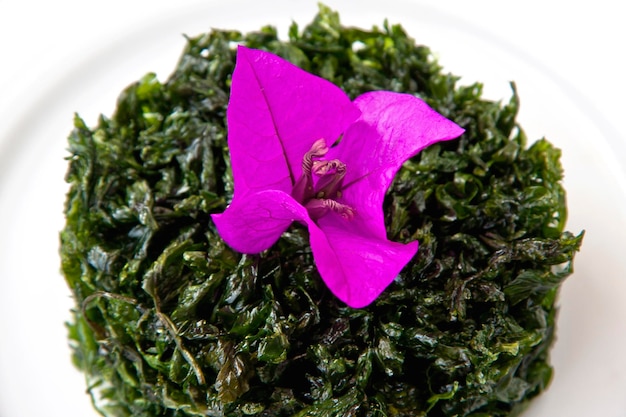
x=171, y=322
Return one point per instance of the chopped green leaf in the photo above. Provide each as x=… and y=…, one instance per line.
x=169, y=321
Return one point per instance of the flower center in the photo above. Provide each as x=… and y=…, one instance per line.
x=321, y=197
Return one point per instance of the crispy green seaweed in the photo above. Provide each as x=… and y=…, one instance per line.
x=171, y=322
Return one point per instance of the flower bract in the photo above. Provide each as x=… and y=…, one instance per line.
x=302, y=151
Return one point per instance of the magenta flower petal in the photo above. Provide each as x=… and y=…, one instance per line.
x=253, y=224
x=281, y=123
x=276, y=111
x=392, y=128
x=356, y=267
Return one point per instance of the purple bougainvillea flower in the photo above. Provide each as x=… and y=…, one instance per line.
x=302, y=151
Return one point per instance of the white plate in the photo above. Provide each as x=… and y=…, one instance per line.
x=66, y=56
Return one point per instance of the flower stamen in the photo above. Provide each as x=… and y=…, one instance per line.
x=320, y=198
x=318, y=207
x=321, y=168
x=332, y=174
x=318, y=149
x=303, y=188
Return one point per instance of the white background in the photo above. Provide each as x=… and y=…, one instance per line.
x=64, y=56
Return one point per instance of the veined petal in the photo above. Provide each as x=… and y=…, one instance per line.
x=254, y=223
x=276, y=112
x=355, y=267
x=392, y=128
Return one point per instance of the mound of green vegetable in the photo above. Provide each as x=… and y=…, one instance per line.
x=169, y=321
